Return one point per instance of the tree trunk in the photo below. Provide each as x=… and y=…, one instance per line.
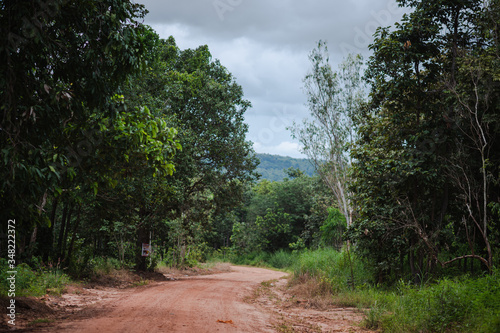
x=65, y=237
x=411, y=259
x=61, y=229
x=142, y=237
x=73, y=237
x=46, y=233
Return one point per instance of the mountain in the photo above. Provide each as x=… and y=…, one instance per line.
x=272, y=167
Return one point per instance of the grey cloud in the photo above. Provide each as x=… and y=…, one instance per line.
x=282, y=22
x=265, y=45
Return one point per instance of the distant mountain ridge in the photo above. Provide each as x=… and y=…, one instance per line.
x=272, y=167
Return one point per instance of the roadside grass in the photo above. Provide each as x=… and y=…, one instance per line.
x=281, y=259
x=209, y=267
x=217, y=266
x=458, y=305
x=29, y=282
x=100, y=266
x=41, y=321
x=462, y=304
x=323, y=277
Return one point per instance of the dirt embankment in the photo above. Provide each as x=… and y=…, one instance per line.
x=245, y=299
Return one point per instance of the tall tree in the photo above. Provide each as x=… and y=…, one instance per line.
x=334, y=100
x=405, y=169
x=61, y=62
x=200, y=98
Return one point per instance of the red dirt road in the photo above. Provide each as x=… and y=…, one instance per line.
x=210, y=303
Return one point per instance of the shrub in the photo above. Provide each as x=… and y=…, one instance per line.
x=459, y=305
x=281, y=259
x=334, y=266
x=31, y=282
x=100, y=266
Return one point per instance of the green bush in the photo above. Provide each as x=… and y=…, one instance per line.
x=31, y=282
x=256, y=258
x=335, y=266
x=459, y=305
x=224, y=254
x=281, y=259
x=100, y=266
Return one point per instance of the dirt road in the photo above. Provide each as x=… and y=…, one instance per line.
x=210, y=303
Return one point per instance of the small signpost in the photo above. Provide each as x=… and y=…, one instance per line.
x=146, y=249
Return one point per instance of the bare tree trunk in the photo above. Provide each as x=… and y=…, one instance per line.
x=73, y=237
x=65, y=237
x=61, y=229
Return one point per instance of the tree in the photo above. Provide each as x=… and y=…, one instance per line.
x=477, y=116
x=411, y=158
x=281, y=215
x=197, y=95
x=62, y=62
x=333, y=99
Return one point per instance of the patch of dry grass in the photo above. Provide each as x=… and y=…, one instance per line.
x=313, y=292
x=202, y=269
x=222, y=267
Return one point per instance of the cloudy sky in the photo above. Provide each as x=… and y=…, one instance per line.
x=265, y=45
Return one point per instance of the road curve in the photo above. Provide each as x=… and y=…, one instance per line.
x=210, y=303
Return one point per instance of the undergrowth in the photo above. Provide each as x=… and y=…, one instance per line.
x=459, y=305
x=32, y=282
x=462, y=304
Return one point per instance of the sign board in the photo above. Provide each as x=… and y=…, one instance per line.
x=146, y=249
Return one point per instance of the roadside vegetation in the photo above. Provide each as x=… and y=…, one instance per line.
x=444, y=304
x=32, y=282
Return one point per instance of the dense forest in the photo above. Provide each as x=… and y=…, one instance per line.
x=112, y=137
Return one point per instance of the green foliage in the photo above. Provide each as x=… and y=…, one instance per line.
x=333, y=267
x=297, y=246
x=277, y=214
x=184, y=256
x=423, y=178
x=30, y=282
x=282, y=259
x=51, y=87
x=102, y=266
x=254, y=258
x=274, y=229
x=333, y=228
x=461, y=305
x=207, y=106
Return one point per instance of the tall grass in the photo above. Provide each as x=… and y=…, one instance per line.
x=252, y=259
x=33, y=282
x=334, y=267
x=280, y=259
x=449, y=305
x=459, y=305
